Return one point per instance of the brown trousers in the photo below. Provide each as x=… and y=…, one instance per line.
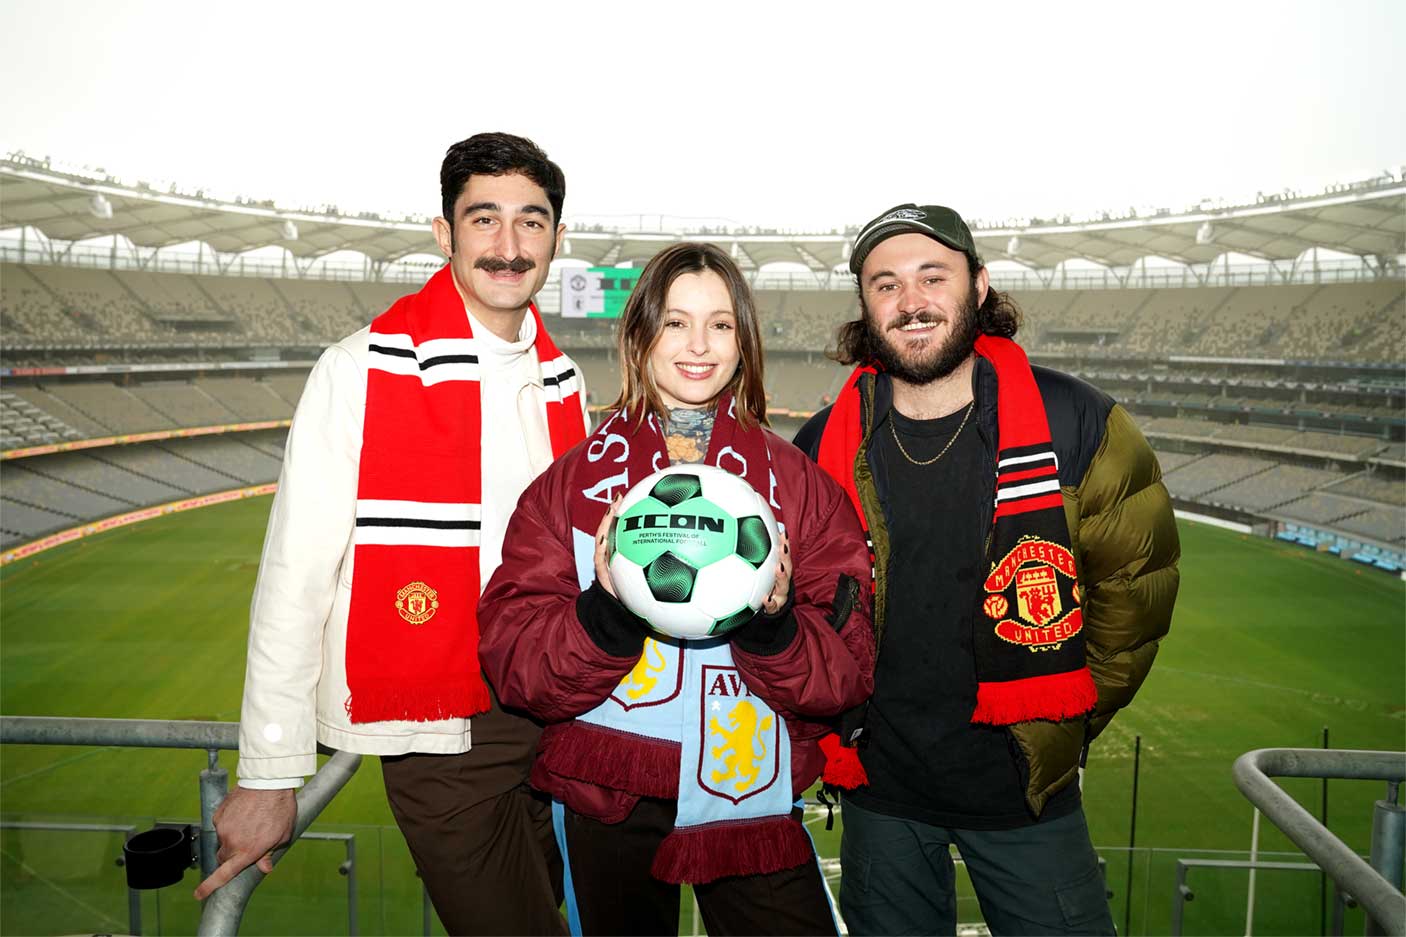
x=481, y=838
x=616, y=894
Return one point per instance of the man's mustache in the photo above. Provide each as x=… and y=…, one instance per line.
x=909, y=318
x=499, y=265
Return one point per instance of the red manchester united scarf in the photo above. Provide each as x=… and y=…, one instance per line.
x=1028, y=644
x=412, y=630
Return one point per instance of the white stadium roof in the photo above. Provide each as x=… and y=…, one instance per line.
x=1367, y=219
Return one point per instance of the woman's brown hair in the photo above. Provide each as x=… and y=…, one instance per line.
x=642, y=323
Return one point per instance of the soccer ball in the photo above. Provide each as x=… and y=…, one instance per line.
x=694, y=551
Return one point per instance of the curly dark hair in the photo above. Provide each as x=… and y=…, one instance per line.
x=998, y=315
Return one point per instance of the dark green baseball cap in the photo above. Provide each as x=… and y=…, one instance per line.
x=938, y=222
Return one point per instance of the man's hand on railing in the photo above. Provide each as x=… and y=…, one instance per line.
x=251, y=825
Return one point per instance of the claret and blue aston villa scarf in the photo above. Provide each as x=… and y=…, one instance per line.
x=1028, y=640
x=412, y=631
x=683, y=724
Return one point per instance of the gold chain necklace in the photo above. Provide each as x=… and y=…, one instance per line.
x=960, y=427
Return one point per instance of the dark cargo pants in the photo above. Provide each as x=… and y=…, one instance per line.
x=897, y=877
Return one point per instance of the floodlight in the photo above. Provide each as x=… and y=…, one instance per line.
x=100, y=207
x=290, y=230
x=1013, y=246
x=1206, y=233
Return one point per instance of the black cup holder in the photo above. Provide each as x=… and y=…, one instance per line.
x=157, y=858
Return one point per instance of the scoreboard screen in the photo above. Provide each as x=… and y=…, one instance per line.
x=596, y=292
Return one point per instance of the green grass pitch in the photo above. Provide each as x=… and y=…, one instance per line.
x=1270, y=643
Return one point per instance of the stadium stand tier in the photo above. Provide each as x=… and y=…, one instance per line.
x=1341, y=321
x=1310, y=392
x=43, y=494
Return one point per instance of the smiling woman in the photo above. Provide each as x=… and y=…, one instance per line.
x=677, y=760
x=690, y=331
x=696, y=353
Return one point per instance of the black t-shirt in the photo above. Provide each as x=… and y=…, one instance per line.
x=925, y=759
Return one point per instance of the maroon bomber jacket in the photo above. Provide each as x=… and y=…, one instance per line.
x=540, y=658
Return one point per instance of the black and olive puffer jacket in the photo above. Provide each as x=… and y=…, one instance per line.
x=1121, y=530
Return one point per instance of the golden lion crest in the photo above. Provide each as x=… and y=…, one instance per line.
x=743, y=738
x=417, y=603
x=641, y=680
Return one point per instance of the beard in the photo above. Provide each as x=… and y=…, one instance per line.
x=929, y=362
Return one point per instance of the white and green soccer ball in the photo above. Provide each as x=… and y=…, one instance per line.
x=694, y=551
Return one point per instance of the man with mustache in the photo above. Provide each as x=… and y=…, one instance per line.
x=1025, y=569
x=409, y=449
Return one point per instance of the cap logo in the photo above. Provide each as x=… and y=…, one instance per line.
x=903, y=214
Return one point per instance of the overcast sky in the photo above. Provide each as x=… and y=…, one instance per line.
x=804, y=114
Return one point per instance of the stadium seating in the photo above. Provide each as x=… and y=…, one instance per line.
x=1175, y=426
x=801, y=382
x=31, y=485
x=43, y=494
x=1351, y=321
x=228, y=455
x=24, y=424
x=1387, y=491
x=287, y=386
x=1174, y=460
x=1308, y=441
x=20, y=522
x=31, y=309
x=1387, y=525
x=1307, y=468
x=111, y=406
x=1269, y=489
x=249, y=400
x=1217, y=470
x=1357, y=446
x=183, y=403
x=262, y=311
x=1322, y=508
x=803, y=321
x=1341, y=321
x=46, y=403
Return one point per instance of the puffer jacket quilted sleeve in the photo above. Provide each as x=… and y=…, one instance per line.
x=1126, y=548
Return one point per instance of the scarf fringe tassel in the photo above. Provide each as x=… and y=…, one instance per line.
x=1055, y=697
x=842, y=765
x=701, y=854
x=621, y=761
x=400, y=703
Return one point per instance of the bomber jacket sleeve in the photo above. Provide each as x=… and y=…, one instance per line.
x=814, y=662
x=532, y=645
x=1127, y=548
x=309, y=528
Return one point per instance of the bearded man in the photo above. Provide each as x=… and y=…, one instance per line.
x=1025, y=569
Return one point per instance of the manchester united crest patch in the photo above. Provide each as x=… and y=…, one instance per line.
x=1038, y=579
x=417, y=603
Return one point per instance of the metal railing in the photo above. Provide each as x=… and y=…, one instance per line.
x=1183, y=893
x=1381, y=897
x=225, y=908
